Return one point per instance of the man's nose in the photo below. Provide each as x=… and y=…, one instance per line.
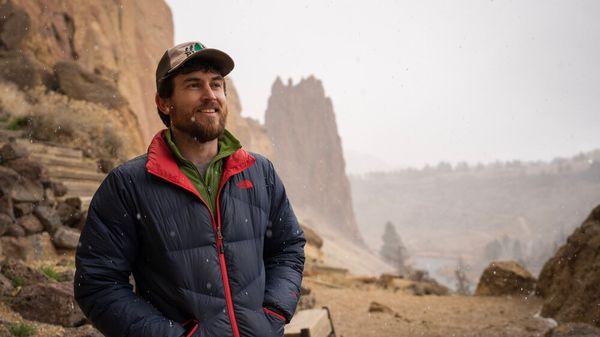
x=208, y=93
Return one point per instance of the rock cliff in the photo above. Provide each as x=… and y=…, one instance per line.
x=250, y=132
x=101, y=53
x=570, y=281
x=300, y=121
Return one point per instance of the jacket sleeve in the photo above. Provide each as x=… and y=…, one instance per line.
x=104, y=259
x=283, y=252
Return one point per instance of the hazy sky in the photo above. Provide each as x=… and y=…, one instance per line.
x=415, y=82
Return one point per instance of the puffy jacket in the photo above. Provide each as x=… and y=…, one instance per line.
x=235, y=273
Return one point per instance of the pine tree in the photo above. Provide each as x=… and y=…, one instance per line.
x=393, y=250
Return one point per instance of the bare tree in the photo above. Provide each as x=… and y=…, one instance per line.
x=463, y=285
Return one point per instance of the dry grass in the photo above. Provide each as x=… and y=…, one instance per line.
x=51, y=117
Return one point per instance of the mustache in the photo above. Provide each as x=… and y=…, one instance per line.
x=214, y=106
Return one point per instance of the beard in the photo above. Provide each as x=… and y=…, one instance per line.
x=200, y=127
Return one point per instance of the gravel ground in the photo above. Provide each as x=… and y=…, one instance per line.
x=428, y=316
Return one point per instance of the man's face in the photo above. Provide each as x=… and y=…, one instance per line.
x=198, y=105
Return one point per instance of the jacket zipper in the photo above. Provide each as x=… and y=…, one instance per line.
x=228, y=298
x=217, y=229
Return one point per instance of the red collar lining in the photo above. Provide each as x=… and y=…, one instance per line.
x=162, y=163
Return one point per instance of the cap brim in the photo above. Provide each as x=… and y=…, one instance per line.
x=213, y=56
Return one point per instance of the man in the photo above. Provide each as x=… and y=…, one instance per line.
x=205, y=227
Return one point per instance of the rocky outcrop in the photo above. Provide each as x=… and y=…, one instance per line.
x=250, y=132
x=33, y=222
x=120, y=41
x=502, y=278
x=41, y=302
x=104, y=54
x=570, y=281
x=308, y=154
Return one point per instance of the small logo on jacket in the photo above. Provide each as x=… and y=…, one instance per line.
x=245, y=184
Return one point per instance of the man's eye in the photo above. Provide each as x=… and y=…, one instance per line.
x=194, y=85
x=217, y=85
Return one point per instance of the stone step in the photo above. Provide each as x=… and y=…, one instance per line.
x=85, y=202
x=80, y=187
x=50, y=149
x=60, y=173
x=6, y=134
x=53, y=160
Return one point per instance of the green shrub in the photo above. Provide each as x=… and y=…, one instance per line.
x=21, y=330
x=51, y=273
x=17, y=282
x=18, y=123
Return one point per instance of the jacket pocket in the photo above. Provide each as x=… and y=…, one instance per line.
x=190, y=326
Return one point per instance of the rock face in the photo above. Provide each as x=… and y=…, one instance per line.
x=308, y=154
x=570, y=281
x=505, y=278
x=104, y=54
x=250, y=132
x=121, y=41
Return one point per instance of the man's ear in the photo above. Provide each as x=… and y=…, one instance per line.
x=162, y=104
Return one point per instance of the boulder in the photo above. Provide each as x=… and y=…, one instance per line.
x=21, y=274
x=15, y=231
x=15, y=25
x=502, y=278
x=378, y=307
x=31, y=248
x=59, y=189
x=24, y=71
x=51, y=303
x=82, y=331
x=22, y=209
x=6, y=204
x=8, y=178
x=570, y=281
x=431, y=287
x=66, y=237
x=30, y=223
x=574, y=330
x=12, y=151
x=27, y=191
x=69, y=215
x=6, y=286
x=80, y=84
x=5, y=221
x=74, y=202
x=48, y=217
x=27, y=168
x=307, y=300
x=49, y=198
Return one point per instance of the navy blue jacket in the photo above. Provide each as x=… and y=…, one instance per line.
x=235, y=273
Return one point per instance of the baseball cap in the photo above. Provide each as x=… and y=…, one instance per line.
x=177, y=56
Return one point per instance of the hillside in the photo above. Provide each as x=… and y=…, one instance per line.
x=517, y=210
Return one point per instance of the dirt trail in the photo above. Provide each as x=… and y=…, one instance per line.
x=428, y=316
